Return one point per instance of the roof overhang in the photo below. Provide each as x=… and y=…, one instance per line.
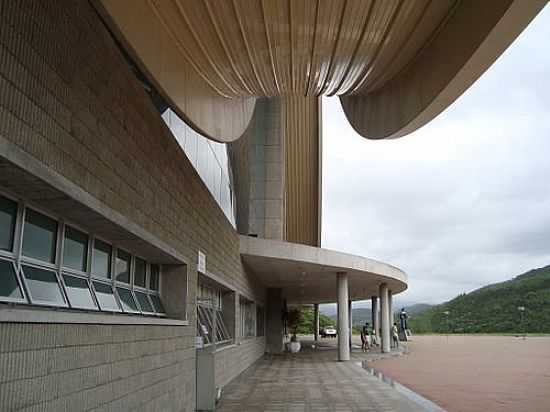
x=307, y=274
x=395, y=64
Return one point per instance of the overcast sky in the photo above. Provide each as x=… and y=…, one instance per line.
x=463, y=201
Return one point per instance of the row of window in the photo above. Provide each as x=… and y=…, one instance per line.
x=47, y=262
x=211, y=319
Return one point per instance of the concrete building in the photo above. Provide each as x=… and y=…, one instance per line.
x=160, y=179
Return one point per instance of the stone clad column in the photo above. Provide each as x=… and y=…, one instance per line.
x=316, y=321
x=343, y=316
x=385, y=317
x=274, y=320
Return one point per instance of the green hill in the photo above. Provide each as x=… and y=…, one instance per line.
x=362, y=315
x=494, y=308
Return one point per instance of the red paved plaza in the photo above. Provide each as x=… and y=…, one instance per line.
x=476, y=373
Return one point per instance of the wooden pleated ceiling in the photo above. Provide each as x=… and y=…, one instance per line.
x=277, y=47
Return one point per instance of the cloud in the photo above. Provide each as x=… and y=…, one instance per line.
x=465, y=200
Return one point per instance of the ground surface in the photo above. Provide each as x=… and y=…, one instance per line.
x=476, y=373
x=312, y=380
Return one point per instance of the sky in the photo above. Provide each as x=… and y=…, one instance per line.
x=465, y=200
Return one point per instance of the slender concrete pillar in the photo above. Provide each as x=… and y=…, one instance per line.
x=385, y=317
x=390, y=315
x=350, y=307
x=316, y=321
x=375, y=324
x=343, y=316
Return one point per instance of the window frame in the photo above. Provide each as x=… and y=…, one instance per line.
x=24, y=298
x=40, y=302
x=16, y=258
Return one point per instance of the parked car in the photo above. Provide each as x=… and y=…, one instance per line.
x=328, y=332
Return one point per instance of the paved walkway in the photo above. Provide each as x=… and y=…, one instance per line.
x=312, y=380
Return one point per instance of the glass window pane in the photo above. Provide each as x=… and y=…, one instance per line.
x=9, y=288
x=139, y=273
x=101, y=261
x=79, y=293
x=106, y=297
x=8, y=213
x=159, y=307
x=39, y=237
x=75, y=249
x=43, y=285
x=127, y=300
x=154, y=278
x=144, y=302
x=122, y=268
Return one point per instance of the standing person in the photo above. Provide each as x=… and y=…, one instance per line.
x=374, y=339
x=365, y=337
x=395, y=335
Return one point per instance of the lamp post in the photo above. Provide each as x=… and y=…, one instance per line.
x=521, y=310
x=446, y=313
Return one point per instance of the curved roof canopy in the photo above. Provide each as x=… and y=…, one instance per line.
x=307, y=274
x=395, y=63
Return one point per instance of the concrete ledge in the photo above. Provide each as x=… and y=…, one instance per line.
x=39, y=315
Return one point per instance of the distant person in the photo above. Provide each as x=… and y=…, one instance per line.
x=403, y=317
x=395, y=335
x=365, y=338
x=374, y=338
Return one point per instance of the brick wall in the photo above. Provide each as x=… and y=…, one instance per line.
x=68, y=99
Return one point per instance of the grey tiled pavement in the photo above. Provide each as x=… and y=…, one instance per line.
x=312, y=380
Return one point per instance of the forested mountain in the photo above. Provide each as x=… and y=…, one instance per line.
x=494, y=308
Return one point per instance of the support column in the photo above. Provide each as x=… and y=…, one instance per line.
x=316, y=321
x=385, y=317
x=350, y=307
x=274, y=320
x=375, y=324
x=343, y=316
x=390, y=304
x=390, y=315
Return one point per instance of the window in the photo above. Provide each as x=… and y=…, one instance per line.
x=79, y=293
x=8, y=215
x=144, y=302
x=75, y=272
x=127, y=300
x=43, y=286
x=211, y=325
x=122, y=268
x=39, y=236
x=75, y=249
x=101, y=262
x=140, y=272
x=9, y=286
x=157, y=304
x=260, y=319
x=106, y=297
x=154, y=278
x=247, y=318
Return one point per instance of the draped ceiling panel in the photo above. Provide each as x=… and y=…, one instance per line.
x=386, y=53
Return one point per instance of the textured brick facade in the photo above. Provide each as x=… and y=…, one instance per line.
x=69, y=100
